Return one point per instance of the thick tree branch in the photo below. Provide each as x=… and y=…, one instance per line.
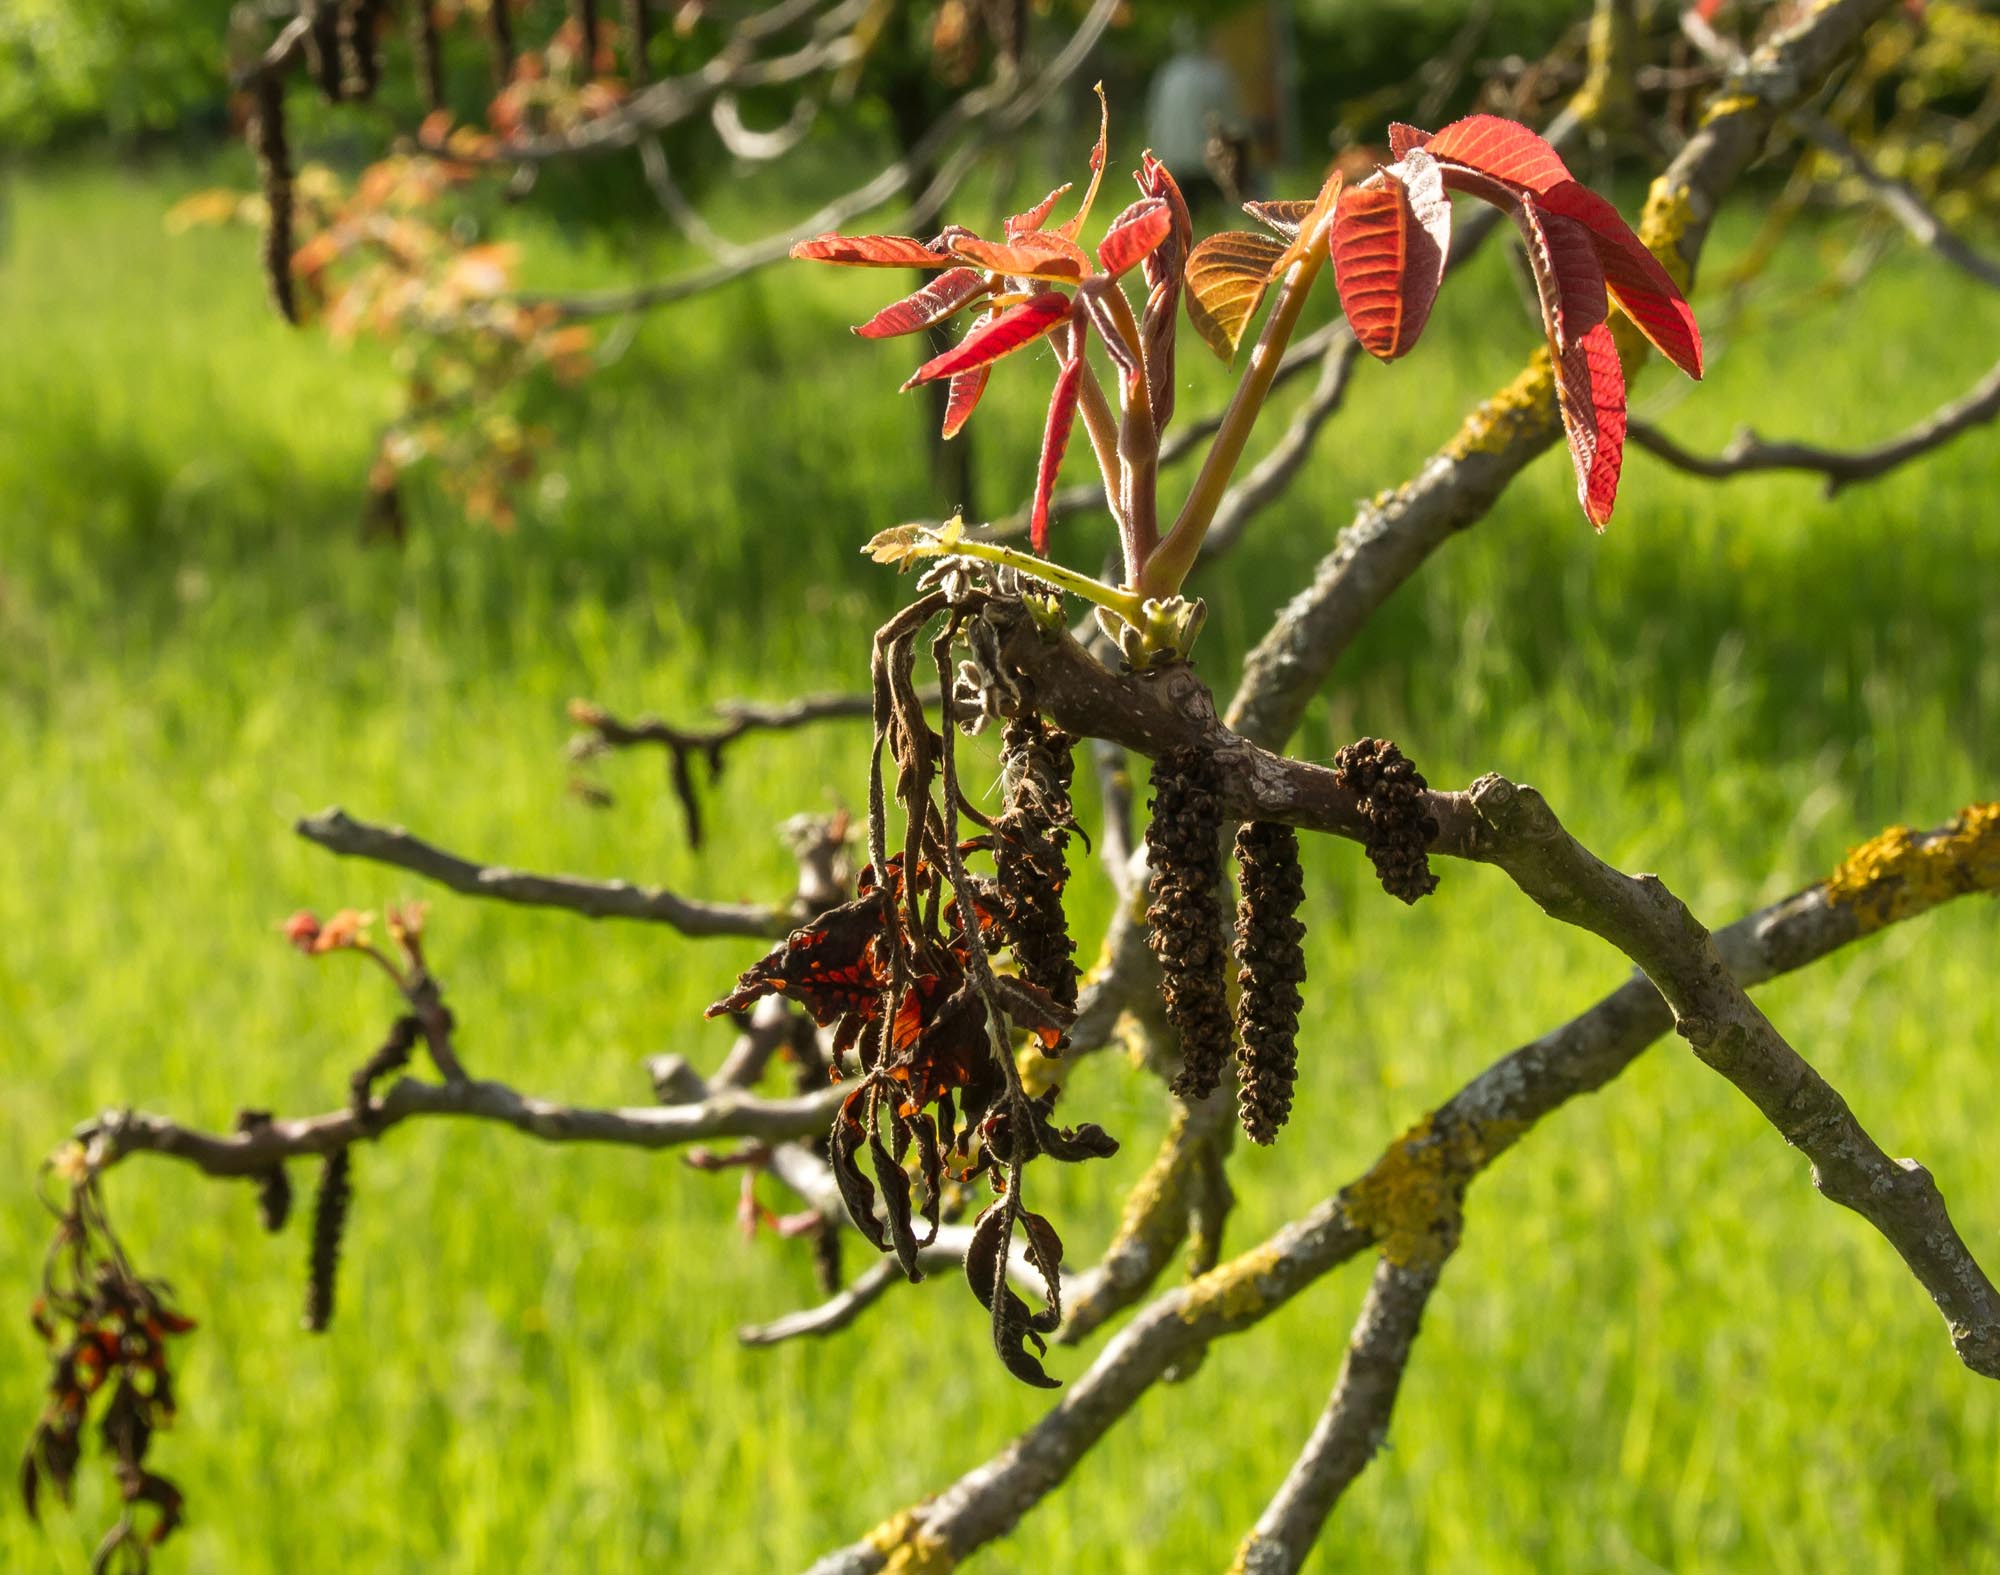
x=1409, y=1202
x=1748, y=453
x=340, y=833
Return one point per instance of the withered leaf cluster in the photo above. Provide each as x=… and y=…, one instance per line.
x=902, y=977
x=106, y=1331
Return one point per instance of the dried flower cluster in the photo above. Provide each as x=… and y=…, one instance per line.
x=1273, y=966
x=1400, y=830
x=106, y=1330
x=1184, y=921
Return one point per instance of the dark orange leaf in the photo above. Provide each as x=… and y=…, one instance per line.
x=1036, y=254
x=1590, y=388
x=1402, y=138
x=1640, y=285
x=1503, y=150
x=1134, y=234
x=996, y=335
x=1038, y=215
x=871, y=251
x=950, y=291
x=1226, y=279
x=1388, y=248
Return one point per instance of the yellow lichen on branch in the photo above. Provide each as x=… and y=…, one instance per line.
x=1525, y=410
x=1668, y=213
x=1901, y=873
x=907, y=1548
x=1232, y=1290
x=1409, y=1201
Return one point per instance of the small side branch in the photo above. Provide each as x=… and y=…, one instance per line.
x=338, y=832
x=832, y=1315
x=1748, y=453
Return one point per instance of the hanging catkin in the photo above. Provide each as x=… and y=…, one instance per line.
x=329, y=1222
x=1390, y=790
x=1273, y=966
x=1184, y=922
x=1029, y=854
x=274, y=168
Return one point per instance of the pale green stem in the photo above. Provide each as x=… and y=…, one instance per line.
x=1169, y=566
x=1128, y=604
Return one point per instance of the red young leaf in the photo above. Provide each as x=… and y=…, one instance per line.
x=1226, y=280
x=1568, y=275
x=962, y=398
x=1134, y=234
x=1282, y=218
x=1036, y=216
x=1318, y=217
x=1590, y=388
x=1402, y=138
x=1037, y=254
x=1643, y=289
x=1503, y=150
x=1074, y=227
x=994, y=336
x=1388, y=248
x=1055, y=440
x=871, y=251
x=926, y=308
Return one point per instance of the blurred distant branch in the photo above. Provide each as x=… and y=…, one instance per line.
x=1748, y=453
x=338, y=832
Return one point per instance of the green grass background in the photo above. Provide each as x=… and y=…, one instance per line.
x=1658, y=1348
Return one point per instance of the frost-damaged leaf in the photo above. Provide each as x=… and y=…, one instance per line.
x=1590, y=388
x=895, y=1184
x=1074, y=227
x=948, y=293
x=1045, y=1251
x=1134, y=235
x=855, y=1191
x=1038, y=254
x=1036, y=216
x=994, y=336
x=1567, y=275
x=871, y=251
x=1013, y=1324
x=1388, y=247
x=1641, y=287
x=1283, y=218
x=1402, y=138
x=1055, y=441
x=1503, y=150
x=1226, y=279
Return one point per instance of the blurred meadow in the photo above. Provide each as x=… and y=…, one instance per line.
x=1657, y=1350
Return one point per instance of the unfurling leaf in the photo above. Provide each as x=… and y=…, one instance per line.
x=948, y=293
x=1501, y=150
x=1283, y=218
x=1642, y=288
x=1055, y=441
x=1590, y=388
x=871, y=251
x=1134, y=235
x=1036, y=216
x=1567, y=275
x=1402, y=138
x=1090, y=296
x=1034, y=254
x=1388, y=247
x=994, y=336
x=1317, y=218
x=1226, y=279
x=1073, y=227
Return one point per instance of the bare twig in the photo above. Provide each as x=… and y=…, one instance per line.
x=338, y=832
x=1747, y=453
x=831, y=1315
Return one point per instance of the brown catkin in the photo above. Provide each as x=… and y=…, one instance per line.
x=323, y=48
x=638, y=36
x=1390, y=790
x=425, y=52
x=1268, y=933
x=360, y=48
x=585, y=14
x=329, y=1222
x=274, y=167
x=274, y=1187
x=1184, y=922
x=1030, y=842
